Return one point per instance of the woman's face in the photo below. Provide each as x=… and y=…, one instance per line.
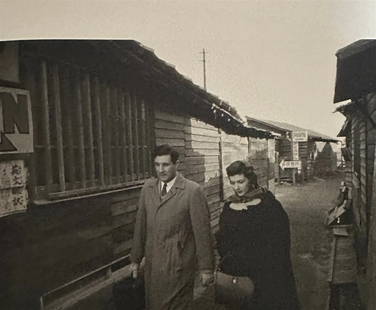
x=240, y=184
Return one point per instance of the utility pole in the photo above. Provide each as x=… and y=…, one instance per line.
x=204, y=65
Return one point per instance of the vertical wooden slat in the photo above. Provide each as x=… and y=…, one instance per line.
x=80, y=124
x=143, y=139
x=147, y=140
x=69, y=112
x=98, y=129
x=59, y=128
x=46, y=126
x=108, y=134
x=136, y=139
x=89, y=128
x=116, y=132
x=151, y=136
x=30, y=84
x=130, y=135
x=123, y=131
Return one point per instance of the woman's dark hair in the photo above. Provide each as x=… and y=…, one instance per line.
x=165, y=149
x=239, y=167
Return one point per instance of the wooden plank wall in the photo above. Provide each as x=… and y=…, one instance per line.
x=258, y=156
x=358, y=186
x=371, y=190
x=285, y=153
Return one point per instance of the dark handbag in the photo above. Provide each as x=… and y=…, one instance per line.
x=129, y=294
x=232, y=290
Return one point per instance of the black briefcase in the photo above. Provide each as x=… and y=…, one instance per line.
x=129, y=294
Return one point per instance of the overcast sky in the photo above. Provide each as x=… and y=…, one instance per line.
x=269, y=59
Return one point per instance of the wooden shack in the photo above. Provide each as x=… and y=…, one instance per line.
x=80, y=121
x=313, y=152
x=356, y=87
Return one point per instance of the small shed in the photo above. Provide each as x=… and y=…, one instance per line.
x=355, y=88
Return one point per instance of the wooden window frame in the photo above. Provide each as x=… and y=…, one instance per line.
x=89, y=131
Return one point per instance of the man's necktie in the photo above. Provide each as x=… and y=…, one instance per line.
x=164, y=190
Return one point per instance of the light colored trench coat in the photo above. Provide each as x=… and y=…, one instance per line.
x=174, y=236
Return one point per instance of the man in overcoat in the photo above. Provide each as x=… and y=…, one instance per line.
x=173, y=233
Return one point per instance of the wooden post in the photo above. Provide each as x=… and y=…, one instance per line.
x=69, y=110
x=123, y=134
x=136, y=135
x=130, y=136
x=143, y=137
x=46, y=126
x=59, y=128
x=98, y=129
x=89, y=122
x=80, y=123
x=107, y=135
x=30, y=84
x=115, y=131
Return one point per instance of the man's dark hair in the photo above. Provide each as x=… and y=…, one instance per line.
x=165, y=149
x=239, y=167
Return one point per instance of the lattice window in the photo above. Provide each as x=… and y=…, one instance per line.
x=91, y=133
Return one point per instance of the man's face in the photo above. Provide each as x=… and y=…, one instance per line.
x=165, y=168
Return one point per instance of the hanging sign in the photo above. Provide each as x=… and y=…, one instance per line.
x=290, y=164
x=295, y=150
x=16, y=129
x=300, y=136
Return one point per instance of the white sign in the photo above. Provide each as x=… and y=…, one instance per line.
x=289, y=164
x=299, y=136
x=16, y=128
x=295, y=150
x=13, y=193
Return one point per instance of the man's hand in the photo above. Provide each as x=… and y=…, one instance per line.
x=134, y=267
x=207, y=278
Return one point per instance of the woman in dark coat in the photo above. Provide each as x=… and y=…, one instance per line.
x=254, y=240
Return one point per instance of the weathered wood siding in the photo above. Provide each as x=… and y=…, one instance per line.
x=371, y=199
x=285, y=153
x=261, y=155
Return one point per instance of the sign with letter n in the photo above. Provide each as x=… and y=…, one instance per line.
x=16, y=129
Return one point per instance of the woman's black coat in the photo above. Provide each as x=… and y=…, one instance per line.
x=256, y=243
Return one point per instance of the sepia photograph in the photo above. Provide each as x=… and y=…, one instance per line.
x=176, y=155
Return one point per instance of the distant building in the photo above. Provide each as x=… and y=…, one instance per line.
x=310, y=152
